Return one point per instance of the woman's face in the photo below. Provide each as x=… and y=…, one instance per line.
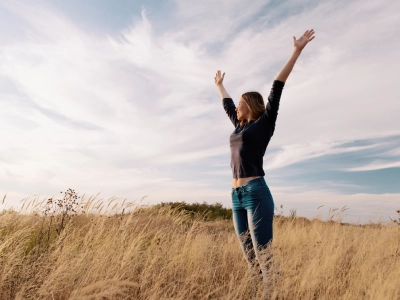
x=242, y=110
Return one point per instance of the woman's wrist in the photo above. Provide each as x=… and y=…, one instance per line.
x=222, y=92
x=297, y=51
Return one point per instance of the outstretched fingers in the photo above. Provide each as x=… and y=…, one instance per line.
x=218, y=78
x=309, y=34
x=218, y=74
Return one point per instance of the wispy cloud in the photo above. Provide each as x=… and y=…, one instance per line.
x=375, y=166
x=292, y=154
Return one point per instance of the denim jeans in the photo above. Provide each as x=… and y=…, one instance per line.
x=253, y=214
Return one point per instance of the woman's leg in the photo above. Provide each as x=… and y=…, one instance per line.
x=241, y=225
x=258, y=202
x=261, y=231
x=242, y=231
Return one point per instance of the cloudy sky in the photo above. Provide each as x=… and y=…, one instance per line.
x=118, y=97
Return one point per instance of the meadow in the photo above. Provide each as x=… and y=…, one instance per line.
x=72, y=248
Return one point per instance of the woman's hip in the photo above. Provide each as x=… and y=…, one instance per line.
x=255, y=194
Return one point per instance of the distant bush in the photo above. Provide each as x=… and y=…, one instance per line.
x=208, y=212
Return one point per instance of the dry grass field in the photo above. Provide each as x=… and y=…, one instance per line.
x=70, y=249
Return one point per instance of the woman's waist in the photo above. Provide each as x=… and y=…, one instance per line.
x=238, y=182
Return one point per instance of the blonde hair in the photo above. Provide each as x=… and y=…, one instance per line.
x=256, y=105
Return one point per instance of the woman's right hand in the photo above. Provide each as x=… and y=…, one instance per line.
x=218, y=78
x=220, y=87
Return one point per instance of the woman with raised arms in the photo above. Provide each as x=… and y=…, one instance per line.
x=252, y=202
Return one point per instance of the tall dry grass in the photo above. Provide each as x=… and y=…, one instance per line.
x=160, y=253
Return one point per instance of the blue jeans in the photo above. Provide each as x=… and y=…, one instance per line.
x=253, y=215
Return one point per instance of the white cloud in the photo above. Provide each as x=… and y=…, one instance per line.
x=291, y=154
x=392, y=152
x=212, y=22
x=378, y=165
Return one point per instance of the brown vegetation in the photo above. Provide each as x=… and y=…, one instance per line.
x=163, y=253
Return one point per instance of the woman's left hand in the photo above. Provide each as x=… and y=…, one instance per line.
x=303, y=40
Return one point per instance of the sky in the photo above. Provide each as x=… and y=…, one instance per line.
x=117, y=99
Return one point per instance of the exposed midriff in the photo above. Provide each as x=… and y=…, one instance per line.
x=236, y=182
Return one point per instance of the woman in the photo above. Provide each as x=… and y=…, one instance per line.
x=252, y=202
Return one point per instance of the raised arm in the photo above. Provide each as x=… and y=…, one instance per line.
x=271, y=111
x=220, y=86
x=298, y=46
x=227, y=101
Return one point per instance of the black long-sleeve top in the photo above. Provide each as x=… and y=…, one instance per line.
x=249, y=142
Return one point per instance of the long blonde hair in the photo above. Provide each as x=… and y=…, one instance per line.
x=256, y=105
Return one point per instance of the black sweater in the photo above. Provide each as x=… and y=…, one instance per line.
x=249, y=142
